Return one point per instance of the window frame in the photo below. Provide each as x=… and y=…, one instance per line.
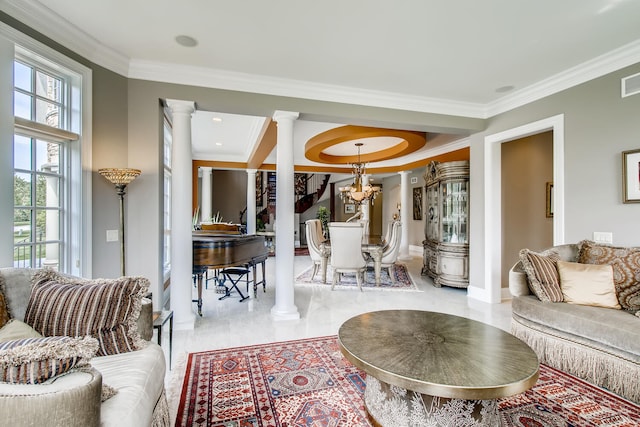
x=79, y=166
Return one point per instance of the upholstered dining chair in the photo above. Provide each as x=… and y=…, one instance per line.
x=317, y=252
x=346, y=251
x=391, y=249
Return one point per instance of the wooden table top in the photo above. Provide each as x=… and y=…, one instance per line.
x=439, y=354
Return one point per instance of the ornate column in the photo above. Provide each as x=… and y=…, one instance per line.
x=403, y=255
x=205, y=208
x=284, y=308
x=251, y=201
x=181, y=249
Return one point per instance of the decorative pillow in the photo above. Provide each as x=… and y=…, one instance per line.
x=15, y=330
x=35, y=360
x=626, y=269
x=542, y=274
x=104, y=309
x=588, y=284
x=4, y=309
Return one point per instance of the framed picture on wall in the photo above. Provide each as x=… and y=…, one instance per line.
x=631, y=176
x=417, y=203
x=349, y=208
x=259, y=193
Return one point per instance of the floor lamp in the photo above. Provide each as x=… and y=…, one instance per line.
x=120, y=177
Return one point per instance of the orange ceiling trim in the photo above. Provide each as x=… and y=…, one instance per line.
x=265, y=145
x=314, y=148
x=217, y=164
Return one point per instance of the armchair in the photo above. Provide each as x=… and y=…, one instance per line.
x=346, y=251
x=317, y=252
x=391, y=249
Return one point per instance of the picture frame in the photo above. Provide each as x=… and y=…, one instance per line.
x=549, y=207
x=417, y=203
x=349, y=208
x=631, y=176
x=259, y=192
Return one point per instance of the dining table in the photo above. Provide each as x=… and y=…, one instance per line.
x=372, y=244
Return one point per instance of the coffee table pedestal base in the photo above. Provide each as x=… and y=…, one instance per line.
x=389, y=405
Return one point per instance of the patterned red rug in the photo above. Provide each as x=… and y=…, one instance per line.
x=308, y=383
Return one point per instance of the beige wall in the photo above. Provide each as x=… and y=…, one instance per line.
x=527, y=165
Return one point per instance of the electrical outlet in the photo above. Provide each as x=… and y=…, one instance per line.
x=603, y=237
x=112, y=235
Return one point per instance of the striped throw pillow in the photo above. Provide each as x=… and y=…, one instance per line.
x=542, y=274
x=35, y=360
x=102, y=308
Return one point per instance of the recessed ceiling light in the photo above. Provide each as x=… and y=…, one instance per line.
x=219, y=144
x=504, y=89
x=186, y=41
x=217, y=119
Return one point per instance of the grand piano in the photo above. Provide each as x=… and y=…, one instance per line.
x=218, y=251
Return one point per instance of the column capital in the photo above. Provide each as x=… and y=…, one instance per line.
x=206, y=168
x=252, y=171
x=403, y=173
x=178, y=106
x=285, y=115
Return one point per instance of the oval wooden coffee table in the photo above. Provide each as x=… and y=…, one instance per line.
x=435, y=369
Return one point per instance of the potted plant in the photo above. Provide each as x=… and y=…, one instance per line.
x=323, y=216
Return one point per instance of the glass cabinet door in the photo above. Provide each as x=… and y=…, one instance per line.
x=432, y=223
x=454, y=211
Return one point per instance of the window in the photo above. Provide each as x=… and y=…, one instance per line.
x=167, y=199
x=51, y=149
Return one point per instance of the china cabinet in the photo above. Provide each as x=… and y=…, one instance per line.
x=446, y=244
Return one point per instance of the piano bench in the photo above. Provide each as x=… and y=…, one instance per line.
x=234, y=275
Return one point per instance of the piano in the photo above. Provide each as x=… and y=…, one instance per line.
x=217, y=251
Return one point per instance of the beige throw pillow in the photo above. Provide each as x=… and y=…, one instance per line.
x=588, y=284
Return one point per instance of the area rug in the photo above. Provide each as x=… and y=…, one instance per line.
x=403, y=281
x=307, y=383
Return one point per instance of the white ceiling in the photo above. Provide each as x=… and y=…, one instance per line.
x=449, y=57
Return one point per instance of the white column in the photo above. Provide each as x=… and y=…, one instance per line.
x=403, y=255
x=205, y=209
x=365, y=206
x=284, y=308
x=181, y=249
x=251, y=201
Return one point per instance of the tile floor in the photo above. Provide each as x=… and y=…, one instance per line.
x=230, y=323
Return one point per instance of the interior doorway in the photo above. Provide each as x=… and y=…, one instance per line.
x=492, y=251
x=527, y=187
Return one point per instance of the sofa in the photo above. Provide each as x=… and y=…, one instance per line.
x=124, y=388
x=595, y=342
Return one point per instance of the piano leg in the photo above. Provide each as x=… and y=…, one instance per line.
x=199, y=300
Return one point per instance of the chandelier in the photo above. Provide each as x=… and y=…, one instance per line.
x=356, y=192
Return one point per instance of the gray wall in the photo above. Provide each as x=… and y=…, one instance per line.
x=598, y=126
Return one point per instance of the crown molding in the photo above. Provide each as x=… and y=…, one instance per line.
x=614, y=60
x=42, y=19
x=243, y=82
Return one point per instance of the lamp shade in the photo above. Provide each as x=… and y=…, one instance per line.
x=119, y=176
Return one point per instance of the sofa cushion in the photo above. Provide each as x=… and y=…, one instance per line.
x=105, y=309
x=605, y=327
x=542, y=274
x=15, y=330
x=35, y=360
x=139, y=385
x=626, y=269
x=588, y=284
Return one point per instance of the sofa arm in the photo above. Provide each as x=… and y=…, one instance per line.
x=145, y=321
x=518, y=285
x=72, y=399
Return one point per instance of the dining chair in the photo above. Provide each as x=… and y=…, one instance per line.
x=391, y=249
x=317, y=252
x=346, y=251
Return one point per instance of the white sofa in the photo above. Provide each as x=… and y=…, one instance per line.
x=74, y=398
